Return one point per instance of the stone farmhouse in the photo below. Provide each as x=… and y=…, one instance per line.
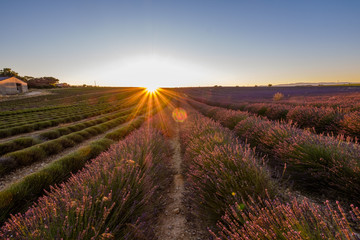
x=12, y=85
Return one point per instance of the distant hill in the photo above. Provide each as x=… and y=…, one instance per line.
x=317, y=84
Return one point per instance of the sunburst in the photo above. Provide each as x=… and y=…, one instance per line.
x=152, y=89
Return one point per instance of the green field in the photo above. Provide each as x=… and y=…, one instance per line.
x=82, y=122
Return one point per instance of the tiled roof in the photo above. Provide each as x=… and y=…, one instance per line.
x=3, y=78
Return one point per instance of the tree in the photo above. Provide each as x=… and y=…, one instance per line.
x=43, y=82
x=7, y=72
x=27, y=78
x=269, y=85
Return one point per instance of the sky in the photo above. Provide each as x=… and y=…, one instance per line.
x=182, y=43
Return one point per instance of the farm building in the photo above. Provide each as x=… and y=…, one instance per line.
x=12, y=85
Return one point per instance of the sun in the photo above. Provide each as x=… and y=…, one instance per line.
x=151, y=89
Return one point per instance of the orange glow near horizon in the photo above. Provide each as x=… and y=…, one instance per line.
x=149, y=102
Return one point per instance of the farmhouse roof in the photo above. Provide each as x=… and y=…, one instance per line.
x=4, y=78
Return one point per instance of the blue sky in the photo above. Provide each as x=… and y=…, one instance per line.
x=182, y=43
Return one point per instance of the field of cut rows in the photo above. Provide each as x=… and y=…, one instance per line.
x=169, y=167
x=42, y=145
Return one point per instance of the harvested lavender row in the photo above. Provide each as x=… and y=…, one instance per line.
x=19, y=195
x=111, y=198
x=317, y=163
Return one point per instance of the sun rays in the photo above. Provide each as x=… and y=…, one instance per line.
x=150, y=101
x=152, y=89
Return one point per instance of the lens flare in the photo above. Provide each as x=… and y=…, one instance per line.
x=179, y=114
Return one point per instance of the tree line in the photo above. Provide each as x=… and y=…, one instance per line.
x=35, y=82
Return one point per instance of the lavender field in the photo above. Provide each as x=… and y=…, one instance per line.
x=171, y=165
x=180, y=120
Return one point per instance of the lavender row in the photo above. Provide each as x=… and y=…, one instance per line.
x=19, y=196
x=293, y=220
x=112, y=197
x=317, y=163
x=322, y=119
x=219, y=168
x=233, y=187
x=346, y=100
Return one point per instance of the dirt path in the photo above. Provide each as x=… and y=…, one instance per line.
x=172, y=224
x=22, y=172
x=29, y=94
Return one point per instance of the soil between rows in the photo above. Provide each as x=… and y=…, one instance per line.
x=174, y=222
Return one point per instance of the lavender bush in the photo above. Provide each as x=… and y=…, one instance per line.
x=219, y=168
x=294, y=220
x=313, y=161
